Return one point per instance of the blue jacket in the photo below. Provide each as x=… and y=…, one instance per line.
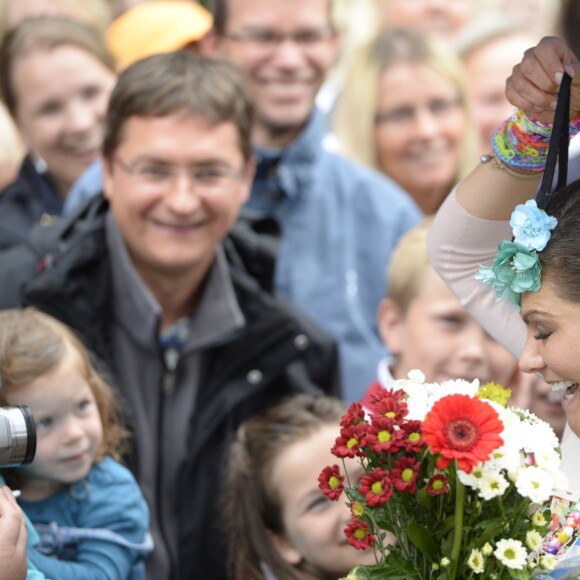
x=107, y=499
x=340, y=223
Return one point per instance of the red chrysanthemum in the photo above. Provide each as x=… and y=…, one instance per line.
x=351, y=439
x=463, y=428
x=377, y=487
x=383, y=435
x=391, y=408
x=405, y=473
x=353, y=416
x=438, y=484
x=358, y=535
x=411, y=438
x=331, y=481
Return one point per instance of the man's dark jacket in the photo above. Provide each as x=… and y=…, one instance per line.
x=64, y=270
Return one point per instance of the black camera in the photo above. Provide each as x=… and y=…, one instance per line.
x=17, y=436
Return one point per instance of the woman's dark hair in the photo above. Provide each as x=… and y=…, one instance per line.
x=560, y=259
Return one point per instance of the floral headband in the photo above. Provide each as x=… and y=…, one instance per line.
x=516, y=267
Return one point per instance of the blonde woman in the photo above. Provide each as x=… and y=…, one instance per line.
x=403, y=112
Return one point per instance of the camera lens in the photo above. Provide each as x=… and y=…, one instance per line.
x=17, y=436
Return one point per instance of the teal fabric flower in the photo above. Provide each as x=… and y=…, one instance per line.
x=531, y=226
x=515, y=270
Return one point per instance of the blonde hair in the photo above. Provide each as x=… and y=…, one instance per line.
x=96, y=13
x=409, y=264
x=33, y=344
x=354, y=118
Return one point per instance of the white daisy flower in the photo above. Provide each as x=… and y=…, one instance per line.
x=534, y=540
x=534, y=483
x=493, y=484
x=548, y=562
x=476, y=561
x=511, y=553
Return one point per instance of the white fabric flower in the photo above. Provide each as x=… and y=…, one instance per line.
x=511, y=553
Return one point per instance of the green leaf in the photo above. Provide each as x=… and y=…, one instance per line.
x=423, y=539
x=393, y=567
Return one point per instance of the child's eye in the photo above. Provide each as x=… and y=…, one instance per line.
x=83, y=405
x=318, y=504
x=542, y=335
x=44, y=423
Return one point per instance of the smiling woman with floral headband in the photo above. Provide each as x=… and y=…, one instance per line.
x=539, y=272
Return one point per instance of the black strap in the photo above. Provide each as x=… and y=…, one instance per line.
x=558, y=148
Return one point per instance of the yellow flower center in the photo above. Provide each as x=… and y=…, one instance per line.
x=358, y=509
x=390, y=414
x=333, y=482
x=384, y=436
x=352, y=442
x=510, y=554
x=437, y=485
x=407, y=474
x=359, y=534
x=377, y=487
x=414, y=437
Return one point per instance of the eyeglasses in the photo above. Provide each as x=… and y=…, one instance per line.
x=162, y=176
x=404, y=116
x=270, y=39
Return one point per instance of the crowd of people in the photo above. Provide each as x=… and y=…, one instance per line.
x=220, y=223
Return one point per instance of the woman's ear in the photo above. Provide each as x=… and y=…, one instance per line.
x=391, y=325
x=286, y=549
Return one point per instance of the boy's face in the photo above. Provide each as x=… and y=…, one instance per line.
x=437, y=336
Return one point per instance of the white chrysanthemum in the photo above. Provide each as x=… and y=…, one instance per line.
x=511, y=553
x=476, y=561
x=535, y=433
x=534, y=483
x=547, y=458
x=548, y=562
x=534, y=540
x=492, y=484
x=416, y=376
x=508, y=456
x=472, y=479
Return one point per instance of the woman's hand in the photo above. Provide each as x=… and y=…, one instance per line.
x=534, y=83
x=13, y=538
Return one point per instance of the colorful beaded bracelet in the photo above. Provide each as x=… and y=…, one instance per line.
x=521, y=141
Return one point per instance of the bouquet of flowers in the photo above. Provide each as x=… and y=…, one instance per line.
x=461, y=480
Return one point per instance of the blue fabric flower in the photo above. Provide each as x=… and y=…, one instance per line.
x=515, y=270
x=531, y=226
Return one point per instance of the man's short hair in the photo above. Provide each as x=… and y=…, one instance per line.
x=220, y=15
x=179, y=82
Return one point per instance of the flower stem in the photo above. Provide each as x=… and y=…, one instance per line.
x=458, y=533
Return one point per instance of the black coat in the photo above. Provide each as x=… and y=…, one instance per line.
x=64, y=270
x=30, y=198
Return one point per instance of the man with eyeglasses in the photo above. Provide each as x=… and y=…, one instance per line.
x=176, y=304
x=340, y=221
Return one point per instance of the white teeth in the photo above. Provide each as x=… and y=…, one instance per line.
x=561, y=386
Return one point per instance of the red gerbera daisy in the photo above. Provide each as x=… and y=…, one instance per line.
x=351, y=439
x=438, y=484
x=330, y=482
x=405, y=473
x=358, y=535
x=377, y=487
x=383, y=435
x=463, y=428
